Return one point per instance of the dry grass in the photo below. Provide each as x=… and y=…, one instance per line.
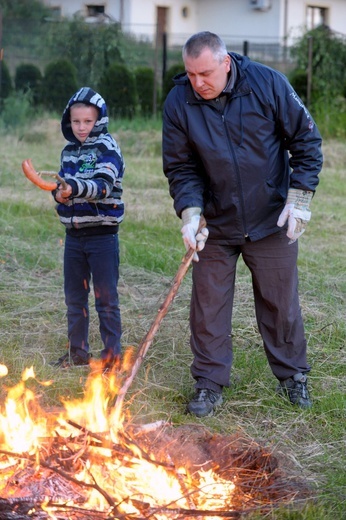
x=33, y=327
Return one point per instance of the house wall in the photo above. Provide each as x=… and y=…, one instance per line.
x=297, y=15
x=141, y=18
x=69, y=8
x=234, y=20
x=237, y=21
x=337, y=20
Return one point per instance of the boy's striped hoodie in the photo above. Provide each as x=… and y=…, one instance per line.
x=94, y=169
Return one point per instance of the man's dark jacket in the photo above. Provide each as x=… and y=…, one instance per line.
x=236, y=163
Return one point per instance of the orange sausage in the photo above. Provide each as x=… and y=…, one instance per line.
x=35, y=178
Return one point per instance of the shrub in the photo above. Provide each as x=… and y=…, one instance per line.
x=59, y=84
x=145, y=81
x=17, y=112
x=28, y=78
x=117, y=86
x=6, y=82
x=299, y=81
x=167, y=83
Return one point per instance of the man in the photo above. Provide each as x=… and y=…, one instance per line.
x=240, y=148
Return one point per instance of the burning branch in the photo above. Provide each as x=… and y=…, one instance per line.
x=64, y=467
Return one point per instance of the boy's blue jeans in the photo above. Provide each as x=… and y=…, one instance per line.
x=93, y=258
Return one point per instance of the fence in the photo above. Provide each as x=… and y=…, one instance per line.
x=27, y=41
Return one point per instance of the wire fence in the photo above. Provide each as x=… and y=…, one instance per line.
x=32, y=42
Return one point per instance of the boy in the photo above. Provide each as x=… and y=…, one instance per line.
x=91, y=209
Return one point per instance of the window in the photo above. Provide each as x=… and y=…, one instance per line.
x=95, y=10
x=316, y=16
x=185, y=12
x=55, y=12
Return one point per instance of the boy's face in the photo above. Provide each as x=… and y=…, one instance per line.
x=83, y=119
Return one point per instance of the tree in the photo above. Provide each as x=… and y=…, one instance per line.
x=91, y=48
x=24, y=9
x=328, y=63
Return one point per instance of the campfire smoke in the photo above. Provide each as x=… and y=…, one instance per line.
x=85, y=462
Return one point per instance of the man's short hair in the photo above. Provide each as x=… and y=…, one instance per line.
x=202, y=40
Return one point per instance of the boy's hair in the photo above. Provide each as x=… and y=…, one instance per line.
x=205, y=39
x=80, y=104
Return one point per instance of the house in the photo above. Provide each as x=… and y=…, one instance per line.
x=277, y=22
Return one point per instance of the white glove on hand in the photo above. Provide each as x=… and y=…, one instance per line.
x=297, y=212
x=191, y=219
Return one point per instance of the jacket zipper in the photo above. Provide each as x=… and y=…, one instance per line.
x=73, y=215
x=238, y=177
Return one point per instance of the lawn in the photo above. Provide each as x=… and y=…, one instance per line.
x=33, y=322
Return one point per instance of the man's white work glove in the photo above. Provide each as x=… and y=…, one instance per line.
x=297, y=212
x=191, y=219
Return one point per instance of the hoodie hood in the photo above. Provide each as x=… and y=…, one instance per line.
x=87, y=96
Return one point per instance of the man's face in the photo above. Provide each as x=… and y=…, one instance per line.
x=208, y=77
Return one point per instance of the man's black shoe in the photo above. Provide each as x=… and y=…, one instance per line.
x=72, y=359
x=204, y=402
x=296, y=389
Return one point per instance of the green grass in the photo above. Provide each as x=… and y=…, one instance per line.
x=33, y=322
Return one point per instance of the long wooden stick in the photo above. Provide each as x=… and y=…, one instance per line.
x=146, y=342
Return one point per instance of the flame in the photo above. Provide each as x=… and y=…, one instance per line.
x=3, y=370
x=130, y=483
x=23, y=423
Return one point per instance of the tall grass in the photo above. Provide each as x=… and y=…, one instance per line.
x=33, y=323
x=331, y=118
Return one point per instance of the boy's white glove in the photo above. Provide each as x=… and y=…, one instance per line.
x=297, y=212
x=191, y=220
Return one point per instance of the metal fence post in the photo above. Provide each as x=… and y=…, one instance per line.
x=309, y=71
x=245, y=47
x=1, y=52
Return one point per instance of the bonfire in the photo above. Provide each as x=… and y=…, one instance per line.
x=89, y=461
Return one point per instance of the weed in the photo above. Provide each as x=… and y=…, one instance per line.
x=33, y=323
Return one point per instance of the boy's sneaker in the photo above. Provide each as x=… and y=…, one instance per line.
x=296, y=389
x=204, y=402
x=72, y=359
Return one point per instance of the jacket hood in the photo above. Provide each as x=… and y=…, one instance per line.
x=87, y=96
